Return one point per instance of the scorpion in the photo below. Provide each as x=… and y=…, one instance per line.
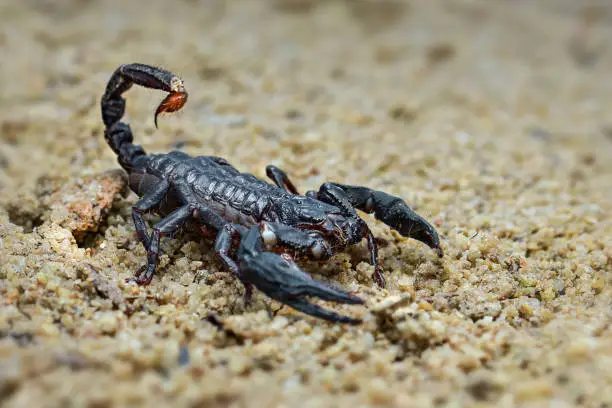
x=260, y=229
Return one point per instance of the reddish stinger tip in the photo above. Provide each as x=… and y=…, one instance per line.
x=173, y=102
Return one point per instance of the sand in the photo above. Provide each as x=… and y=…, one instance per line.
x=491, y=119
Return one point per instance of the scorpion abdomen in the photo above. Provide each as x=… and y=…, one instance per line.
x=237, y=203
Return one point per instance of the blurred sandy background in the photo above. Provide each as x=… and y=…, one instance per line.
x=490, y=118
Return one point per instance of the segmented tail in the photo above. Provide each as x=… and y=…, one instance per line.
x=118, y=134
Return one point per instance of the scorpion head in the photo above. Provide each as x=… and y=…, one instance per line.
x=337, y=228
x=344, y=230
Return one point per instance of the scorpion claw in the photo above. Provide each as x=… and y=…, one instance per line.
x=311, y=309
x=427, y=235
x=283, y=281
x=404, y=220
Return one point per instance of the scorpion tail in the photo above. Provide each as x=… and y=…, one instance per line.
x=118, y=135
x=285, y=282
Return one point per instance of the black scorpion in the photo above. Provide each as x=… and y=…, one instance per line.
x=260, y=228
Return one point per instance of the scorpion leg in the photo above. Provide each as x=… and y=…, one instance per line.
x=228, y=235
x=169, y=225
x=148, y=202
x=285, y=282
x=281, y=179
x=225, y=247
x=391, y=210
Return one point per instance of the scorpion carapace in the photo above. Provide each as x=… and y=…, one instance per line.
x=260, y=228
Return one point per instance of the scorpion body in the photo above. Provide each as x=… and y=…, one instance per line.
x=260, y=228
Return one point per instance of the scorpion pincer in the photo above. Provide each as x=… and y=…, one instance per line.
x=260, y=228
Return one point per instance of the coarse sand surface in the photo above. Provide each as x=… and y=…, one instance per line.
x=492, y=119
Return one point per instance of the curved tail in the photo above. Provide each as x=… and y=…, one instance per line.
x=117, y=134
